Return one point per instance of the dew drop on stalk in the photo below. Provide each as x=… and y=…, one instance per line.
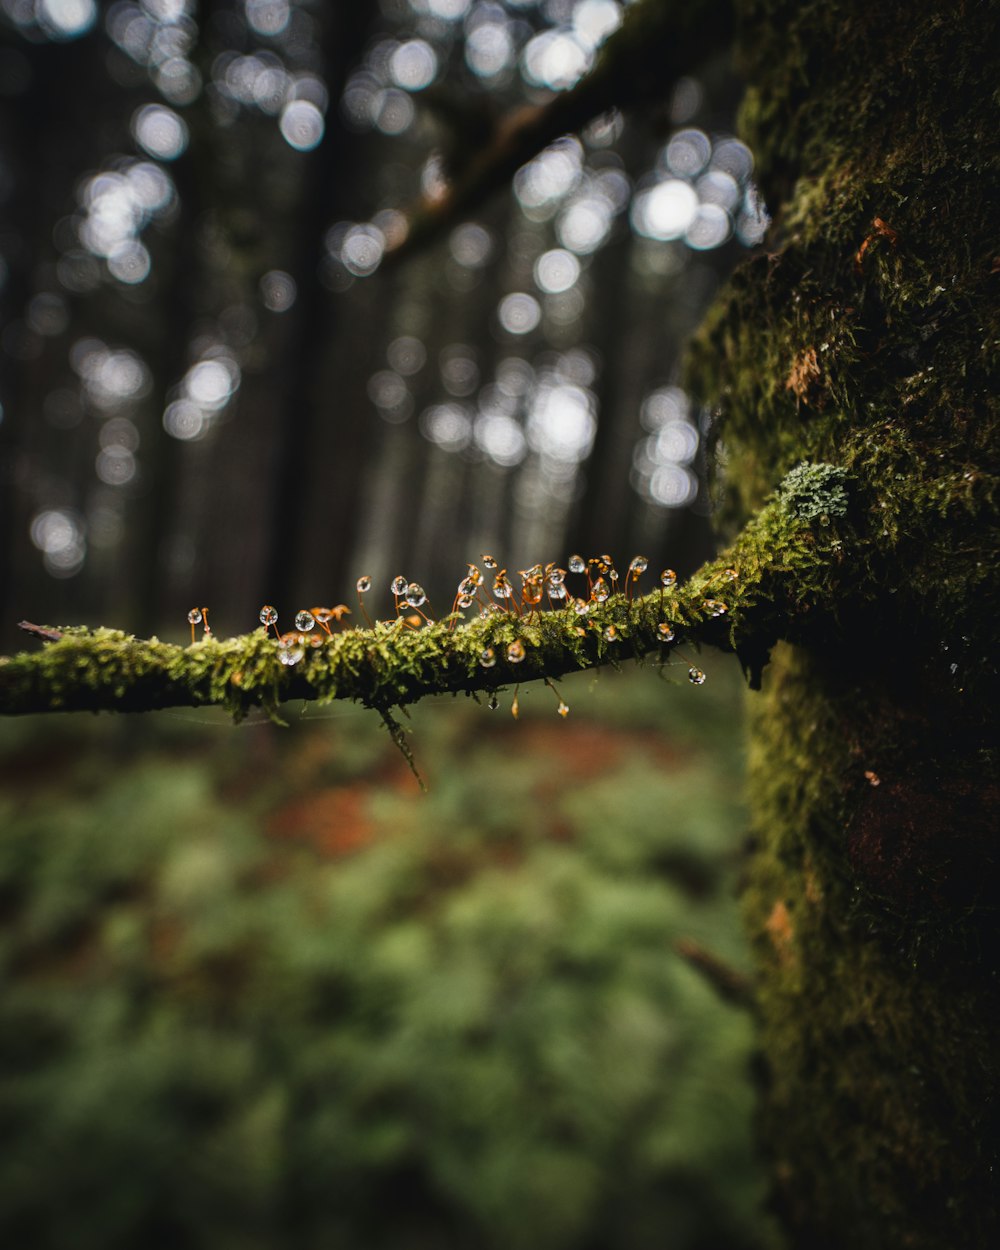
x=398, y=586
x=268, y=615
x=467, y=587
x=600, y=590
x=464, y=601
x=668, y=578
x=696, y=677
x=194, y=616
x=516, y=652
x=576, y=564
x=502, y=588
x=322, y=616
x=563, y=709
x=713, y=607
x=557, y=591
x=489, y=562
x=610, y=634
x=304, y=620
x=290, y=655
x=364, y=585
x=581, y=607
x=665, y=632
x=487, y=657
x=638, y=566
x=415, y=596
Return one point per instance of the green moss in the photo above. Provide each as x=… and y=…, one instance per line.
x=881, y=1073
x=814, y=492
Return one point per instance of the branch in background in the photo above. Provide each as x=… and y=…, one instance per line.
x=656, y=44
x=731, y=986
x=779, y=572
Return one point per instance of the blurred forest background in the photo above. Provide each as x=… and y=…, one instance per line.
x=256, y=992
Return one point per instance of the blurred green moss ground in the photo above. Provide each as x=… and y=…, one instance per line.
x=260, y=992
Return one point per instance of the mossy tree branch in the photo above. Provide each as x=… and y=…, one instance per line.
x=786, y=572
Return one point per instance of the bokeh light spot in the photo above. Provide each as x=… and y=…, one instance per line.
x=471, y=245
x=413, y=65
x=666, y=210
x=130, y=263
x=66, y=19
x=556, y=271
x=160, y=131
x=361, y=250
x=302, y=125
x=519, y=313
x=278, y=290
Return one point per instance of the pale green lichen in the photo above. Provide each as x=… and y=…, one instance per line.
x=814, y=492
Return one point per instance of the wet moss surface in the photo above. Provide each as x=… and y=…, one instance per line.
x=867, y=339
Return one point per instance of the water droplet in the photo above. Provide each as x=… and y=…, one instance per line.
x=531, y=593
x=581, y=607
x=516, y=652
x=415, y=596
x=576, y=564
x=467, y=587
x=502, y=588
x=322, y=615
x=611, y=633
x=464, y=601
x=268, y=615
x=398, y=586
x=364, y=585
x=600, y=590
x=696, y=677
x=194, y=616
x=713, y=607
x=494, y=703
x=489, y=562
x=557, y=592
x=668, y=578
x=665, y=632
x=729, y=575
x=613, y=575
x=487, y=657
x=290, y=655
x=563, y=709
x=304, y=620
x=638, y=566
x=475, y=577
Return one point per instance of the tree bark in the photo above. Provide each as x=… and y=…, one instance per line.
x=869, y=337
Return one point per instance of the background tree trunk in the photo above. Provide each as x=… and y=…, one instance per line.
x=869, y=337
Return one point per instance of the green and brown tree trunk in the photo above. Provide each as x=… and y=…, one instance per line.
x=868, y=336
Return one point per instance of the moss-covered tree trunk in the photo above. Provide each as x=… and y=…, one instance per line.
x=869, y=337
